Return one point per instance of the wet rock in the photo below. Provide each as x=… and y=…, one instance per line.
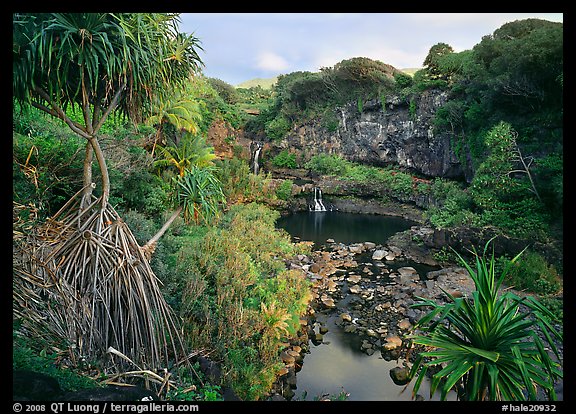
x=369, y=245
x=382, y=331
x=331, y=285
x=345, y=317
x=355, y=289
x=356, y=248
x=404, y=324
x=408, y=274
x=392, y=342
x=365, y=345
x=455, y=293
x=372, y=333
x=328, y=301
x=412, y=315
x=287, y=358
x=400, y=375
x=293, y=353
x=354, y=278
x=291, y=379
x=379, y=254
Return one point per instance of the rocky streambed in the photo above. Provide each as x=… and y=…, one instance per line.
x=368, y=290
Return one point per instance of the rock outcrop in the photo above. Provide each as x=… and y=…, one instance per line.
x=400, y=132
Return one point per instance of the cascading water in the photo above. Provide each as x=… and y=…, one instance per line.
x=255, y=165
x=318, y=205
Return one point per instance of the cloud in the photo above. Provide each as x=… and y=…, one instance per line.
x=241, y=46
x=271, y=61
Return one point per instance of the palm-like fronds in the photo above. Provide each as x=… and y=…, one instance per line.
x=103, y=63
x=199, y=193
x=183, y=113
x=485, y=345
x=191, y=151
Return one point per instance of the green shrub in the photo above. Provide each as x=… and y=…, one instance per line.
x=284, y=190
x=47, y=167
x=533, y=273
x=277, y=128
x=285, y=159
x=328, y=164
x=239, y=298
x=403, y=80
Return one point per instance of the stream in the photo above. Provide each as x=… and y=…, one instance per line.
x=338, y=364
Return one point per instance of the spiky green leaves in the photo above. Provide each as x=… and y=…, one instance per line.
x=487, y=346
x=199, y=193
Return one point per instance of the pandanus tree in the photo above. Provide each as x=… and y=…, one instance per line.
x=81, y=277
x=492, y=345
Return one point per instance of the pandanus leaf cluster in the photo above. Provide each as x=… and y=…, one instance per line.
x=491, y=345
x=199, y=193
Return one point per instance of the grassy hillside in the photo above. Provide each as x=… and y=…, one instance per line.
x=267, y=83
x=410, y=71
x=263, y=83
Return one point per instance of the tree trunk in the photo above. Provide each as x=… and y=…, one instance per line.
x=150, y=246
x=87, y=177
x=103, y=169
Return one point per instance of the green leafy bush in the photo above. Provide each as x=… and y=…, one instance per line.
x=328, y=164
x=284, y=190
x=47, y=167
x=403, y=80
x=239, y=299
x=533, y=273
x=277, y=128
x=285, y=159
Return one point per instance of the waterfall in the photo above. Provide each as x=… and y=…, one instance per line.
x=256, y=155
x=343, y=119
x=318, y=205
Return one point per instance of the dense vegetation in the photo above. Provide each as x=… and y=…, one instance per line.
x=504, y=117
x=207, y=223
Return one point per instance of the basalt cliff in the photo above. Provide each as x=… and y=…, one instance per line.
x=395, y=132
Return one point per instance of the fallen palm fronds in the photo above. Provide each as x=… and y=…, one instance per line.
x=82, y=279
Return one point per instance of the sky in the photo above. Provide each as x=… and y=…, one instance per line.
x=242, y=46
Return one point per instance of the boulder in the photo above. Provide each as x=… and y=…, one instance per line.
x=392, y=342
x=30, y=385
x=379, y=254
x=345, y=317
x=112, y=393
x=400, y=375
